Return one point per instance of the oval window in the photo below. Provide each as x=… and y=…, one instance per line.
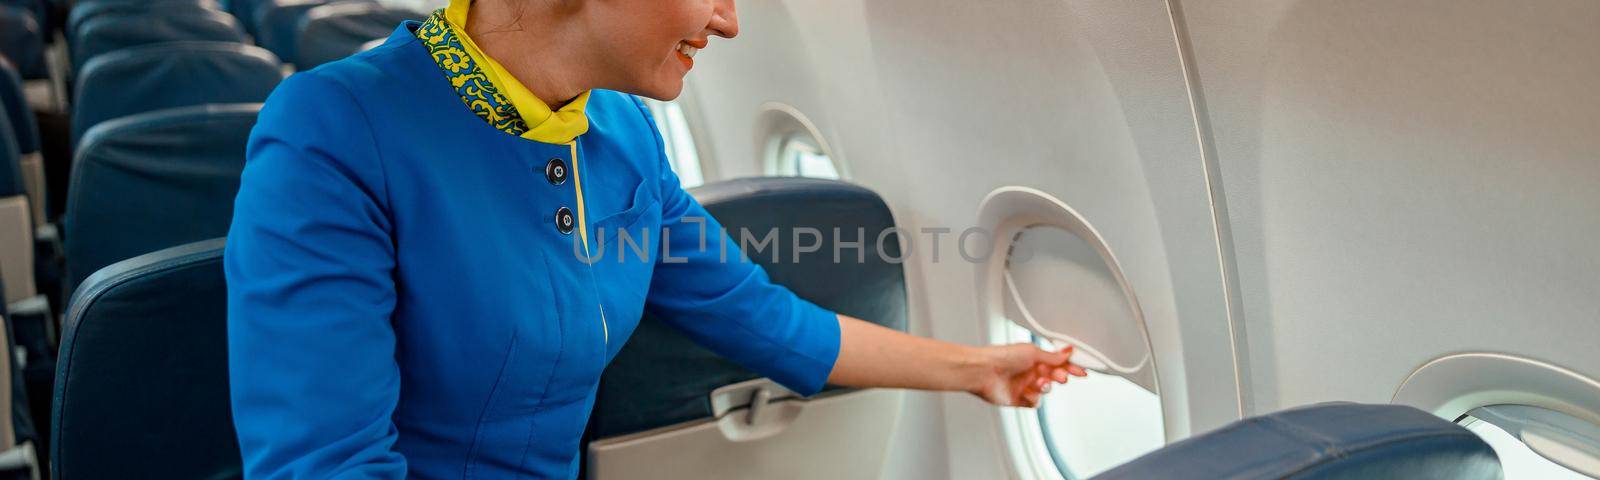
x=797, y=154
x=678, y=141
x=1097, y=422
x=1537, y=443
x=1052, y=279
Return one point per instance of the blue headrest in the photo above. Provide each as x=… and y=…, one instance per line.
x=335, y=31
x=10, y=161
x=83, y=11
x=661, y=377
x=15, y=103
x=111, y=32
x=277, y=24
x=1327, y=441
x=141, y=387
x=245, y=11
x=150, y=181
x=22, y=41
x=167, y=75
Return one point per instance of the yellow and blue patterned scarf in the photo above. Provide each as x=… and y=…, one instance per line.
x=467, y=77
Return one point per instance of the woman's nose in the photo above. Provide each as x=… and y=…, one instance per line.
x=724, y=19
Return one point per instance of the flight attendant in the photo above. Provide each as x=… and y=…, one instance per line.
x=404, y=299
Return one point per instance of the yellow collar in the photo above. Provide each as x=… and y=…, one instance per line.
x=489, y=90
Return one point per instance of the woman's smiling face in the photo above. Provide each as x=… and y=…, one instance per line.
x=649, y=45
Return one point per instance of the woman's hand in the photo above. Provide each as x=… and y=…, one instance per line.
x=1017, y=375
x=871, y=356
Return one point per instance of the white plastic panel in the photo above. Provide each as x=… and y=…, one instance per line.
x=843, y=436
x=1560, y=438
x=1051, y=272
x=934, y=105
x=1405, y=179
x=1553, y=411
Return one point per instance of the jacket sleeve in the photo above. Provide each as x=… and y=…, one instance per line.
x=309, y=266
x=727, y=304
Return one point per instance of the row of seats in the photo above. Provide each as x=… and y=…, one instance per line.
x=155, y=326
x=327, y=30
x=159, y=122
x=137, y=91
x=149, y=109
x=23, y=25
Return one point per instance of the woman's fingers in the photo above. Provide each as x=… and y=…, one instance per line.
x=1049, y=358
x=1059, y=375
x=1077, y=370
x=1030, y=399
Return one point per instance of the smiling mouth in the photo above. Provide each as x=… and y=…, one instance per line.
x=687, y=50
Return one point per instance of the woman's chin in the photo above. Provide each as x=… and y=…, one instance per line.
x=665, y=91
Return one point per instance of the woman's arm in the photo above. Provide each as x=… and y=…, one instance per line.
x=1007, y=375
x=309, y=265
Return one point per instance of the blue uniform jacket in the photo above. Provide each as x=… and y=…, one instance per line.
x=402, y=303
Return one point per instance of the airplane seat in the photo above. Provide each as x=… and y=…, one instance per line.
x=82, y=11
x=154, y=180
x=110, y=32
x=22, y=41
x=657, y=395
x=278, y=22
x=167, y=75
x=1337, y=440
x=25, y=130
x=141, y=386
x=245, y=11
x=337, y=30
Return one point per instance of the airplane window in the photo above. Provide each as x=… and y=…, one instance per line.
x=678, y=141
x=1517, y=458
x=1097, y=422
x=1092, y=423
x=798, y=155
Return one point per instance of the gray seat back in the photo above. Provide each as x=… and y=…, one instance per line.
x=661, y=377
x=277, y=24
x=84, y=11
x=167, y=75
x=334, y=31
x=1327, y=441
x=22, y=40
x=152, y=181
x=110, y=32
x=141, y=388
x=15, y=103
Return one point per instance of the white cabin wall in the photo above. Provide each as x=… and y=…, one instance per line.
x=1405, y=180
x=935, y=105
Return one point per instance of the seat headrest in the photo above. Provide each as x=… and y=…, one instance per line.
x=22, y=40
x=1326, y=441
x=141, y=386
x=277, y=24
x=338, y=30
x=110, y=32
x=84, y=10
x=171, y=74
x=154, y=180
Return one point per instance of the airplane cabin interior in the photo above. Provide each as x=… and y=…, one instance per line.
x=1286, y=238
